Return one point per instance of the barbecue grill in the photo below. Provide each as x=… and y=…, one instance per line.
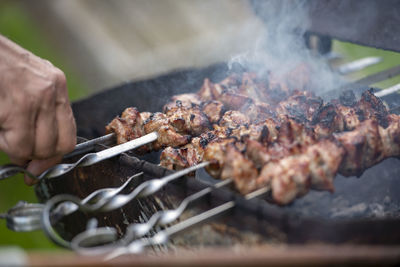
x=361, y=217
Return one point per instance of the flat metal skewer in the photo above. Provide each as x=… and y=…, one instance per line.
x=358, y=65
x=163, y=236
x=388, y=91
x=88, y=243
x=84, y=147
x=87, y=160
x=25, y=217
x=106, y=204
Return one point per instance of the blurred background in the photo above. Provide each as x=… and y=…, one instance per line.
x=100, y=44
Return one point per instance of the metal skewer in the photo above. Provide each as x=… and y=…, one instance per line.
x=358, y=64
x=26, y=216
x=162, y=237
x=84, y=147
x=105, y=204
x=90, y=237
x=388, y=91
x=86, y=160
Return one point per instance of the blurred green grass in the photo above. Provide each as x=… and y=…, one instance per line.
x=17, y=25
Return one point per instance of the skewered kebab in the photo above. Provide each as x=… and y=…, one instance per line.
x=233, y=169
x=182, y=121
x=329, y=118
x=365, y=139
x=233, y=123
x=309, y=166
x=339, y=115
x=280, y=141
x=174, y=127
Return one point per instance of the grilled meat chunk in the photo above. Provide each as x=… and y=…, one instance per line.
x=183, y=100
x=131, y=126
x=290, y=132
x=327, y=121
x=258, y=132
x=371, y=106
x=210, y=91
x=127, y=127
x=215, y=153
x=369, y=144
x=190, y=121
x=234, y=101
x=257, y=153
x=213, y=110
x=184, y=157
x=173, y=159
x=241, y=170
x=167, y=136
x=233, y=119
x=145, y=116
x=300, y=106
x=292, y=176
x=390, y=136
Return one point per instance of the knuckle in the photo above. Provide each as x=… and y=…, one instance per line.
x=48, y=90
x=47, y=62
x=59, y=76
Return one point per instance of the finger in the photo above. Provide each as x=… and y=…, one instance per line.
x=65, y=119
x=66, y=129
x=18, y=117
x=37, y=167
x=19, y=161
x=17, y=136
x=46, y=132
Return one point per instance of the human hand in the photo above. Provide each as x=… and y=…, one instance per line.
x=37, y=126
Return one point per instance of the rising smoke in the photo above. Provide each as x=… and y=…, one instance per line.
x=282, y=48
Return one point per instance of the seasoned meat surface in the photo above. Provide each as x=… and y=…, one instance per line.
x=129, y=126
x=183, y=100
x=213, y=110
x=190, y=121
x=268, y=132
x=233, y=119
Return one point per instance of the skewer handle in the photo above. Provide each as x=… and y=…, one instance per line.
x=10, y=170
x=87, y=160
x=93, y=158
x=84, y=147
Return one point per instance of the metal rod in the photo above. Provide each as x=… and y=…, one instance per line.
x=163, y=236
x=106, y=204
x=90, y=144
x=86, y=160
x=26, y=216
x=388, y=91
x=380, y=76
x=85, y=242
x=368, y=80
x=358, y=65
x=148, y=188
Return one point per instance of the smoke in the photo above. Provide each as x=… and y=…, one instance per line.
x=282, y=49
